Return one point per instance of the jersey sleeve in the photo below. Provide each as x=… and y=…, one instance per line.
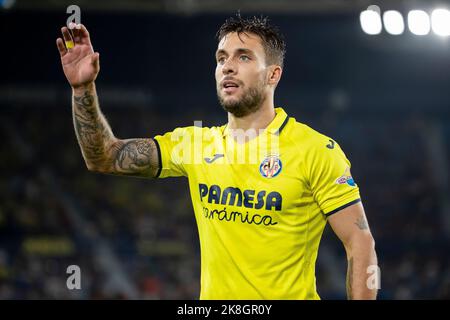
x=174, y=150
x=330, y=179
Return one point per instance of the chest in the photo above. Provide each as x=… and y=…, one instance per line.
x=263, y=179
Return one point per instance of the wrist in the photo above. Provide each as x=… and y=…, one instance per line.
x=81, y=90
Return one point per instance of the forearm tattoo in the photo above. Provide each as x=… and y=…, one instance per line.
x=137, y=157
x=349, y=280
x=91, y=128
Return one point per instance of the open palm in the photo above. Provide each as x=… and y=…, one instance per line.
x=79, y=61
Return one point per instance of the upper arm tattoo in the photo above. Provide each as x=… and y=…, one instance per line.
x=138, y=157
x=362, y=224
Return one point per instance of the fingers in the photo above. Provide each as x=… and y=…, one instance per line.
x=67, y=38
x=84, y=31
x=75, y=32
x=81, y=34
x=61, y=47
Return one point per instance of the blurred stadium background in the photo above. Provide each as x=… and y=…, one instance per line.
x=385, y=98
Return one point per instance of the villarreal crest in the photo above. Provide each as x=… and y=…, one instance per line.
x=270, y=167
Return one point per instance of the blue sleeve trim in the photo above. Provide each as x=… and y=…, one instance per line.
x=342, y=207
x=158, y=149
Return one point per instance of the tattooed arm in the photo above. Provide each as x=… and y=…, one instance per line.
x=350, y=225
x=101, y=150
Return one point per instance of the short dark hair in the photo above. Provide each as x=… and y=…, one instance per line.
x=272, y=39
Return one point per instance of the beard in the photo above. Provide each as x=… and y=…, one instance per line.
x=251, y=101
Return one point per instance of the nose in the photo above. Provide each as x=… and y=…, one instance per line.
x=229, y=67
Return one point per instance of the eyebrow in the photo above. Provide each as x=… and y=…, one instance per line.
x=238, y=50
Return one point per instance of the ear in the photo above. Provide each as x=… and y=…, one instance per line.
x=274, y=74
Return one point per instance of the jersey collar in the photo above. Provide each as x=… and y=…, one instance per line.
x=275, y=127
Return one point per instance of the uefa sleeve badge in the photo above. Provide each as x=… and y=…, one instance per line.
x=346, y=178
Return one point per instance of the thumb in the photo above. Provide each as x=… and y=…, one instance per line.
x=95, y=60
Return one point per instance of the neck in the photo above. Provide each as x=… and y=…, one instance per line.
x=256, y=120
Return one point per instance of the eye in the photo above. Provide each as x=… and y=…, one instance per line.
x=221, y=60
x=244, y=58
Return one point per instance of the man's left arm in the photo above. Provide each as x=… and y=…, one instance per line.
x=351, y=226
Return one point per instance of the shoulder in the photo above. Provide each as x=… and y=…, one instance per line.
x=191, y=131
x=307, y=138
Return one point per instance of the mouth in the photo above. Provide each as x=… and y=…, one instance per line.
x=229, y=87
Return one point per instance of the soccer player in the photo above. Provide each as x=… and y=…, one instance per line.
x=260, y=215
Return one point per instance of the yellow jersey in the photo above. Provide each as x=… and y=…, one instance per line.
x=260, y=204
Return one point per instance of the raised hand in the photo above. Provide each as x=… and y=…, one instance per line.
x=80, y=63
